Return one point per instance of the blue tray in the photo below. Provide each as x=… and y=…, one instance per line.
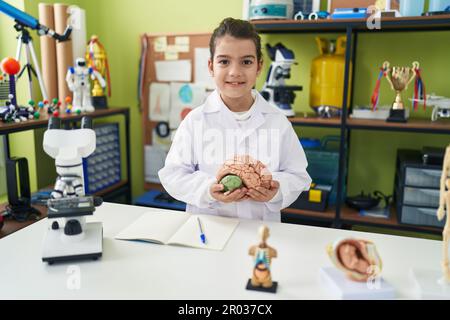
x=148, y=200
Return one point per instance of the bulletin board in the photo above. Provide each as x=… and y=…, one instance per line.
x=173, y=47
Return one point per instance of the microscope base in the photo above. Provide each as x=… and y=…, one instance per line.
x=91, y=247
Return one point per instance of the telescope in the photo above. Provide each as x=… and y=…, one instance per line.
x=23, y=19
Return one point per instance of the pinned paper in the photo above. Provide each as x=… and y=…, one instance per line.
x=201, y=74
x=162, y=143
x=159, y=102
x=160, y=44
x=154, y=161
x=171, y=52
x=182, y=44
x=184, y=97
x=182, y=40
x=182, y=48
x=177, y=70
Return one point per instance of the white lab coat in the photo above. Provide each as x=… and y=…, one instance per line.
x=210, y=134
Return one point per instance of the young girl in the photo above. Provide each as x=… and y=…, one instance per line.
x=235, y=120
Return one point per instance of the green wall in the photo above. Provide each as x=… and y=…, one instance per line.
x=119, y=24
x=21, y=144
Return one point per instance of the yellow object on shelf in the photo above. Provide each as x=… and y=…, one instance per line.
x=315, y=196
x=97, y=59
x=327, y=77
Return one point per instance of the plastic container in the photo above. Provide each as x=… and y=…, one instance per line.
x=269, y=9
x=417, y=177
x=438, y=5
x=103, y=167
x=308, y=143
x=323, y=164
x=306, y=6
x=420, y=216
x=421, y=197
x=410, y=8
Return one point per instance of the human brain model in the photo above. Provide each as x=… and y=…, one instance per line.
x=243, y=171
x=358, y=259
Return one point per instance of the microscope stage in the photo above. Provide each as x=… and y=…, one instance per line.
x=91, y=247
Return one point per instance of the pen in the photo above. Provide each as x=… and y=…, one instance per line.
x=202, y=235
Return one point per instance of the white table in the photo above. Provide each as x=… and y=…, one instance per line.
x=135, y=270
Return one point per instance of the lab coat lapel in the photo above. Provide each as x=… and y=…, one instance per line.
x=221, y=115
x=257, y=119
x=226, y=119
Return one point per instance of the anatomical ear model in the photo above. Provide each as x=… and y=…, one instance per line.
x=358, y=259
x=444, y=205
x=251, y=172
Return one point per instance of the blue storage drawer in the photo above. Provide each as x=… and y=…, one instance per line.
x=102, y=169
x=421, y=197
x=420, y=216
x=419, y=177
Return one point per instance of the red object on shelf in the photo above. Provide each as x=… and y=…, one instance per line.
x=10, y=66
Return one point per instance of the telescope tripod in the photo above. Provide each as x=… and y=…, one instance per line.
x=25, y=39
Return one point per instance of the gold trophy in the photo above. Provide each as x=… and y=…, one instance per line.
x=96, y=58
x=399, y=78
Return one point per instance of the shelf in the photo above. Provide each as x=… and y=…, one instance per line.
x=112, y=188
x=351, y=216
x=315, y=121
x=12, y=226
x=327, y=215
x=413, y=125
x=339, y=25
x=153, y=186
x=6, y=128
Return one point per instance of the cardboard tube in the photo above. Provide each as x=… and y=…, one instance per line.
x=48, y=51
x=64, y=55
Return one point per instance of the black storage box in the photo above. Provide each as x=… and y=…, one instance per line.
x=416, y=189
x=303, y=201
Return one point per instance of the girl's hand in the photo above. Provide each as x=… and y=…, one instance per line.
x=262, y=194
x=228, y=197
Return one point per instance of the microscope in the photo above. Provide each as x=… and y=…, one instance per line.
x=69, y=237
x=275, y=91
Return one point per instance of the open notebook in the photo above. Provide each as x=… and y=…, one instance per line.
x=180, y=228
